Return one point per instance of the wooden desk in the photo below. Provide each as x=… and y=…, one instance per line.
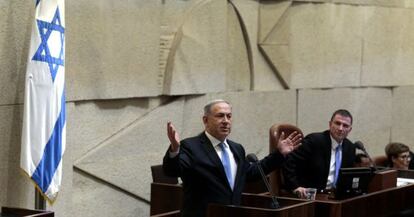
x=382, y=203
x=383, y=179
x=18, y=212
x=409, y=174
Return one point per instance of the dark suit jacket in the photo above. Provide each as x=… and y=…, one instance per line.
x=203, y=176
x=308, y=166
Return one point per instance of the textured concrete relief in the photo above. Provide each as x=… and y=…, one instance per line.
x=196, y=61
x=95, y=198
x=90, y=123
x=15, y=28
x=112, y=49
x=238, y=67
x=388, y=47
x=124, y=159
x=262, y=76
x=274, y=39
x=338, y=45
x=16, y=187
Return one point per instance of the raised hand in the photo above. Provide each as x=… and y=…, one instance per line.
x=287, y=145
x=173, y=137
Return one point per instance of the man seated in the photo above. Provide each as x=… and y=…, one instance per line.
x=362, y=160
x=316, y=163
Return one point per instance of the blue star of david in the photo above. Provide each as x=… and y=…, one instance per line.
x=43, y=53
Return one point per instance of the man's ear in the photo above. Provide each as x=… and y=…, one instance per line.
x=205, y=119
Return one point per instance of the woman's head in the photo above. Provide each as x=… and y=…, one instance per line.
x=398, y=155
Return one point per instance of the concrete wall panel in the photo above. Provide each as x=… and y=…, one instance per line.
x=92, y=122
x=199, y=64
x=402, y=116
x=112, y=49
x=388, y=47
x=15, y=28
x=238, y=76
x=263, y=77
x=17, y=189
x=325, y=45
x=124, y=160
x=94, y=198
x=370, y=107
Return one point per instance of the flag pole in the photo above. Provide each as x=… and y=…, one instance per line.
x=40, y=202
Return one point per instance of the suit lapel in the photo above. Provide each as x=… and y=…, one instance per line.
x=346, y=153
x=327, y=152
x=212, y=155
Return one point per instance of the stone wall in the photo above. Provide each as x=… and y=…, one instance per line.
x=131, y=66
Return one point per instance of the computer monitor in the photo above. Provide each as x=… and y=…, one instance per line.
x=353, y=182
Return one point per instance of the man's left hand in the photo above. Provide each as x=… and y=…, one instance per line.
x=288, y=144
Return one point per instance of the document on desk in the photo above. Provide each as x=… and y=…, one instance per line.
x=404, y=181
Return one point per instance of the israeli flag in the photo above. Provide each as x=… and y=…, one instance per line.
x=44, y=119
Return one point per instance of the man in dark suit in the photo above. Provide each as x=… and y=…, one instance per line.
x=213, y=168
x=316, y=162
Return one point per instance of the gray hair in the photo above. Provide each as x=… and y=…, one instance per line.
x=207, y=107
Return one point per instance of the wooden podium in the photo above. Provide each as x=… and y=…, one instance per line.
x=18, y=212
x=166, y=200
x=259, y=205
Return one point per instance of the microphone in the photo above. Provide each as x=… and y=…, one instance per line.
x=253, y=158
x=359, y=145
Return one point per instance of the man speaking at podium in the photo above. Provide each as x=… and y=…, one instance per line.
x=213, y=168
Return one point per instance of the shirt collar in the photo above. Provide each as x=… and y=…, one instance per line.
x=215, y=141
x=334, y=143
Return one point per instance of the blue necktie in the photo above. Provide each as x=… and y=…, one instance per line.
x=338, y=160
x=225, y=159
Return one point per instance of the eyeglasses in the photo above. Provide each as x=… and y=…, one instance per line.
x=405, y=157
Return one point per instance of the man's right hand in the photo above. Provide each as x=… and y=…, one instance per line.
x=300, y=192
x=173, y=137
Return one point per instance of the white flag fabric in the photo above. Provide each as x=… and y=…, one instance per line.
x=44, y=118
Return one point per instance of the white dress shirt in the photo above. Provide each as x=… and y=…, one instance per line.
x=215, y=142
x=331, y=176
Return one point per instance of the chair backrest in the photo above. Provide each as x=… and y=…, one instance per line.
x=381, y=161
x=159, y=176
x=276, y=177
